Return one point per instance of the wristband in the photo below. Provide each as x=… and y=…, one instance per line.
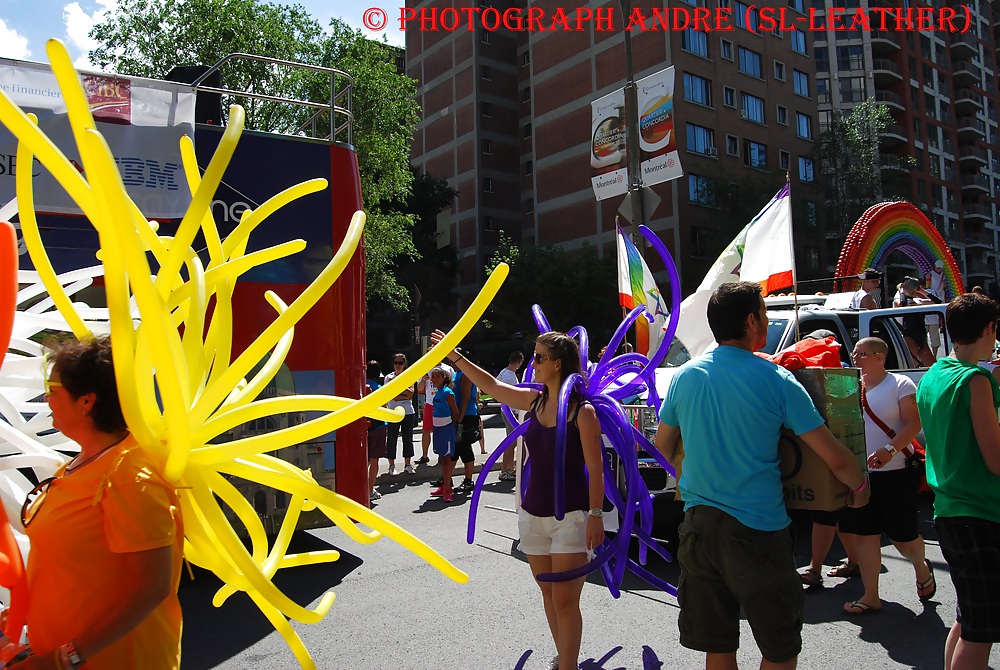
x=861, y=488
x=460, y=358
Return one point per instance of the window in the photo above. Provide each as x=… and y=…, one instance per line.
x=822, y=59
x=803, y=125
x=806, y=169
x=732, y=145
x=729, y=96
x=811, y=213
x=750, y=62
x=700, y=191
x=695, y=41
x=744, y=17
x=697, y=89
x=526, y=95
x=529, y=168
x=779, y=70
x=484, y=36
x=525, y=59
x=701, y=242
x=852, y=89
x=484, y=72
x=486, y=110
x=529, y=205
x=488, y=223
x=800, y=80
x=784, y=159
x=487, y=185
x=782, y=115
x=527, y=131
x=727, y=50
x=823, y=91
x=754, y=154
x=812, y=258
x=700, y=139
x=798, y=41
x=487, y=147
x=850, y=58
x=753, y=107
x=797, y=5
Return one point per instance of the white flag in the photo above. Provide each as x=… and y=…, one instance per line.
x=762, y=252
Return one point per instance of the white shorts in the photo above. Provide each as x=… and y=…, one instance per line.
x=544, y=535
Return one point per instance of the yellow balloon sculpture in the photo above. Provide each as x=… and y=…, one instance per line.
x=180, y=391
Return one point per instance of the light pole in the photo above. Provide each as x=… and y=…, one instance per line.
x=632, y=132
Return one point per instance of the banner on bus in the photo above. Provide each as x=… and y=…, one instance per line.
x=142, y=120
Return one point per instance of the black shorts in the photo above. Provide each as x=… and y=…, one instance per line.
x=725, y=566
x=470, y=435
x=826, y=518
x=916, y=332
x=892, y=507
x=972, y=548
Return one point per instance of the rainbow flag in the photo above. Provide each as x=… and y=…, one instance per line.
x=636, y=286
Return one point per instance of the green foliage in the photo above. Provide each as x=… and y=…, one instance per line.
x=147, y=38
x=572, y=288
x=849, y=160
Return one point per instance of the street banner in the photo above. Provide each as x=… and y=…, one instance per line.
x=659, y=161
x=609, y=168
x=142, y=120
x=762, y=252
x=636, y=286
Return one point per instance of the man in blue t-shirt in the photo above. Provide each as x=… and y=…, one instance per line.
x=736, y=548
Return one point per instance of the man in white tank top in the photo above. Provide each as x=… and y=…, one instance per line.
x=864, y=297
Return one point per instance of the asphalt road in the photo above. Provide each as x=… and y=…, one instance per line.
x=394, y=611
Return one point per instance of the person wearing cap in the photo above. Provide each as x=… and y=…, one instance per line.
x=864, y=297
x=912, y=293
x=935, y=285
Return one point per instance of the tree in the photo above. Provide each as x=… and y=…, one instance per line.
x=851, y=164
x=573, y=289
x=147, y=38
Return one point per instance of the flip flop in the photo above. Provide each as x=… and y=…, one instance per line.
x=858, y=608
x=811, y=577
x=930, y=584
x=845, y=570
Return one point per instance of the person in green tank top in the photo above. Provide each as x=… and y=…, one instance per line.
x=958, y=400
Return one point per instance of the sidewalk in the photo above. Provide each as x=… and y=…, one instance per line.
x=430, y=471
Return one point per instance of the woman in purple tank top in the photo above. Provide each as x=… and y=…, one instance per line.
x=554, y=545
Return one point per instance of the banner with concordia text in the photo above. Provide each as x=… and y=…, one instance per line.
x=659, y=161
x=142, y=120
x=609, y=168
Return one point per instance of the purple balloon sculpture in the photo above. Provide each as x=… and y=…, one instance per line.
x=604, y=385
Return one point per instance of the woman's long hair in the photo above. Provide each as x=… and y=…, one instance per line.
x=564, y=349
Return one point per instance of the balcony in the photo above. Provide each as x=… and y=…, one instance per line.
x=893, y=162
x=975, y=182
x=891, y=100
x=972, y=155
x=982, y=240
x=964, y=45
x=893, y=134
x=968, y=101
x=970, y=128
x=884, y=42
x=966, y=73
x=976, y=211
x=886, y=72
x=979, y=269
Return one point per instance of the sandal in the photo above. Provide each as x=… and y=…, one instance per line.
x=858, y=608
x=811, y=577
x=929, y=586
x=847, y=569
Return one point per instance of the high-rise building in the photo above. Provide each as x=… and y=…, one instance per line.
x=507, y=120
x=941, y=88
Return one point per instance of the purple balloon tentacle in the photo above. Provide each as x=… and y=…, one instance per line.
x=652, y=579
x=540, y=320
x=580, y=334
x=562, y=411
x=484, y=473
x=651, y=449
x=673, y=277
x=608, y=358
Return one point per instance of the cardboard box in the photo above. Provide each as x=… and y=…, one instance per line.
x=807, y=482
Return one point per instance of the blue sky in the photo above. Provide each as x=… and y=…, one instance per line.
x=25, y=25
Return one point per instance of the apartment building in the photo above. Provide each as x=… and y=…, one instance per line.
x=507, y=120
x=942, y=91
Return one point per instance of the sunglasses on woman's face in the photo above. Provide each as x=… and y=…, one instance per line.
x=33, y=502
x=540, y=358
x=48, y=383
x=399, y=362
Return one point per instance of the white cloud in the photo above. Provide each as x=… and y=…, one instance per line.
x=78, y=26
x=15, y=46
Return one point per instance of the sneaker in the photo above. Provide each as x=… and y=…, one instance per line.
x=375, y=495
x=447, y=496
x=410, y=470
x=466, y=485
x=507, y=476
x=422, y=460
x=392, y=471
x=438, y=492
x=438, y=482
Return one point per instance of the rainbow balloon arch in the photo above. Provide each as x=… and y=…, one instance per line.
x=897, y=226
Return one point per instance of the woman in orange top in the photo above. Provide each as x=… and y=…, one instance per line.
x=106, y=534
